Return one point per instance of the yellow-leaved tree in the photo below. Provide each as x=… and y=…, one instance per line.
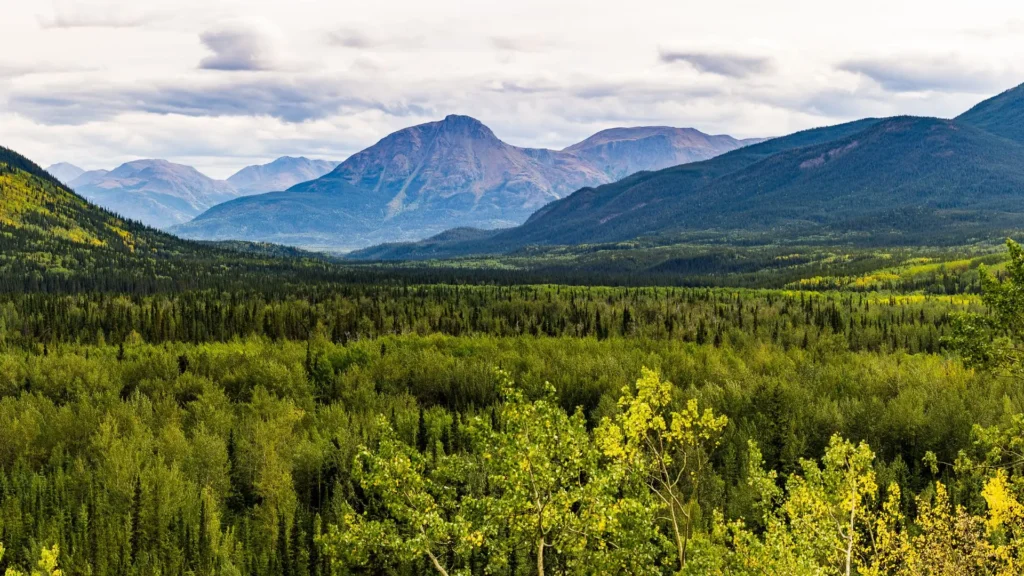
x=46, y=566
x=666, y=451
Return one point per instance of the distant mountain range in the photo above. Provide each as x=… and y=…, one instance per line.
x=161, y=194
x=619, y=152
x=65, y=172
x=902, y=180
x=453, y=172
x=281, y=174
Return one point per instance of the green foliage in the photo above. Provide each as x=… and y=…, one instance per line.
x=995, y=340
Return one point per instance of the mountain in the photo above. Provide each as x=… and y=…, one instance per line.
x=904, y=180
x=619, y=152
x=592, y=215
x=53, y=240
x=414, y=182
x=280, y=174
x=427, y=178
x=45, y=227
x=155, y=192
x=161, y=194
x=1002, y=115
x=88, y=177
x=65, y=172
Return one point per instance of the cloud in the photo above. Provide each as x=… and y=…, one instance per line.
x=932, y=74
x=520, y=43
x=290, y=100
x=236, y=49
x=79, y=15
x=1005, y=28
x=513, y=87
x=730, y=65
x=356, y=39
x=349, y=38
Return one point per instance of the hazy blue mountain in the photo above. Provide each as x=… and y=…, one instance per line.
x=64, y=172
x=619, y=152
x=88, y=177
x=427, y=178
x=155, y=192
x=898, y=180
x=281, y=174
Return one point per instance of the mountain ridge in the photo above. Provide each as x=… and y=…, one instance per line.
x=899, y=180
x=279, y=174
x=419, y=181
x=160, y=193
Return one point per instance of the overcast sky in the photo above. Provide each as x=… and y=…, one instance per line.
x=220, y=84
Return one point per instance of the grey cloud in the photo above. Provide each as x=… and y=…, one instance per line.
x=360, y=40
x=510, y=87
x=14, y=70
x=286, y=100
x=96, y=17
x=349, y=38
x=928, y=74
x=646, y=93
x=730, y=65
x=236, y=49
x=520, y=43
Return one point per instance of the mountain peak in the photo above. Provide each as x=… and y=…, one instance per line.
x=65, y=172
x=467, y=125
x=456, y=119
x=280, y=174
x=620, y=152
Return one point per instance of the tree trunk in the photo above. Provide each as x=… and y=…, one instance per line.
x=437, y=564
x=540, y=556
x=849, y=541
x=679, y=538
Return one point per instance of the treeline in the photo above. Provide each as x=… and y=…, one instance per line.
x=352, y=312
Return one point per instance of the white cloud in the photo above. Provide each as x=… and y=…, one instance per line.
x=223, y=83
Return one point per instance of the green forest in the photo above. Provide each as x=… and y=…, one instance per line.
x=394, y=427
x=177, y=408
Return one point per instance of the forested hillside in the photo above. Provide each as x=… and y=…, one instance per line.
x=1002, y=115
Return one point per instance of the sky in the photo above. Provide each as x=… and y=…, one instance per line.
x=221, y=84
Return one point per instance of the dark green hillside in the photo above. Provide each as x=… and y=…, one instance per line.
x=1002, y=115
x=907, y=180
x=597, y=214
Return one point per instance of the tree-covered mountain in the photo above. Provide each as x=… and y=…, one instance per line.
x=905, y=180
x=1002, y=115
x=281, y=174
x=427, y=178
